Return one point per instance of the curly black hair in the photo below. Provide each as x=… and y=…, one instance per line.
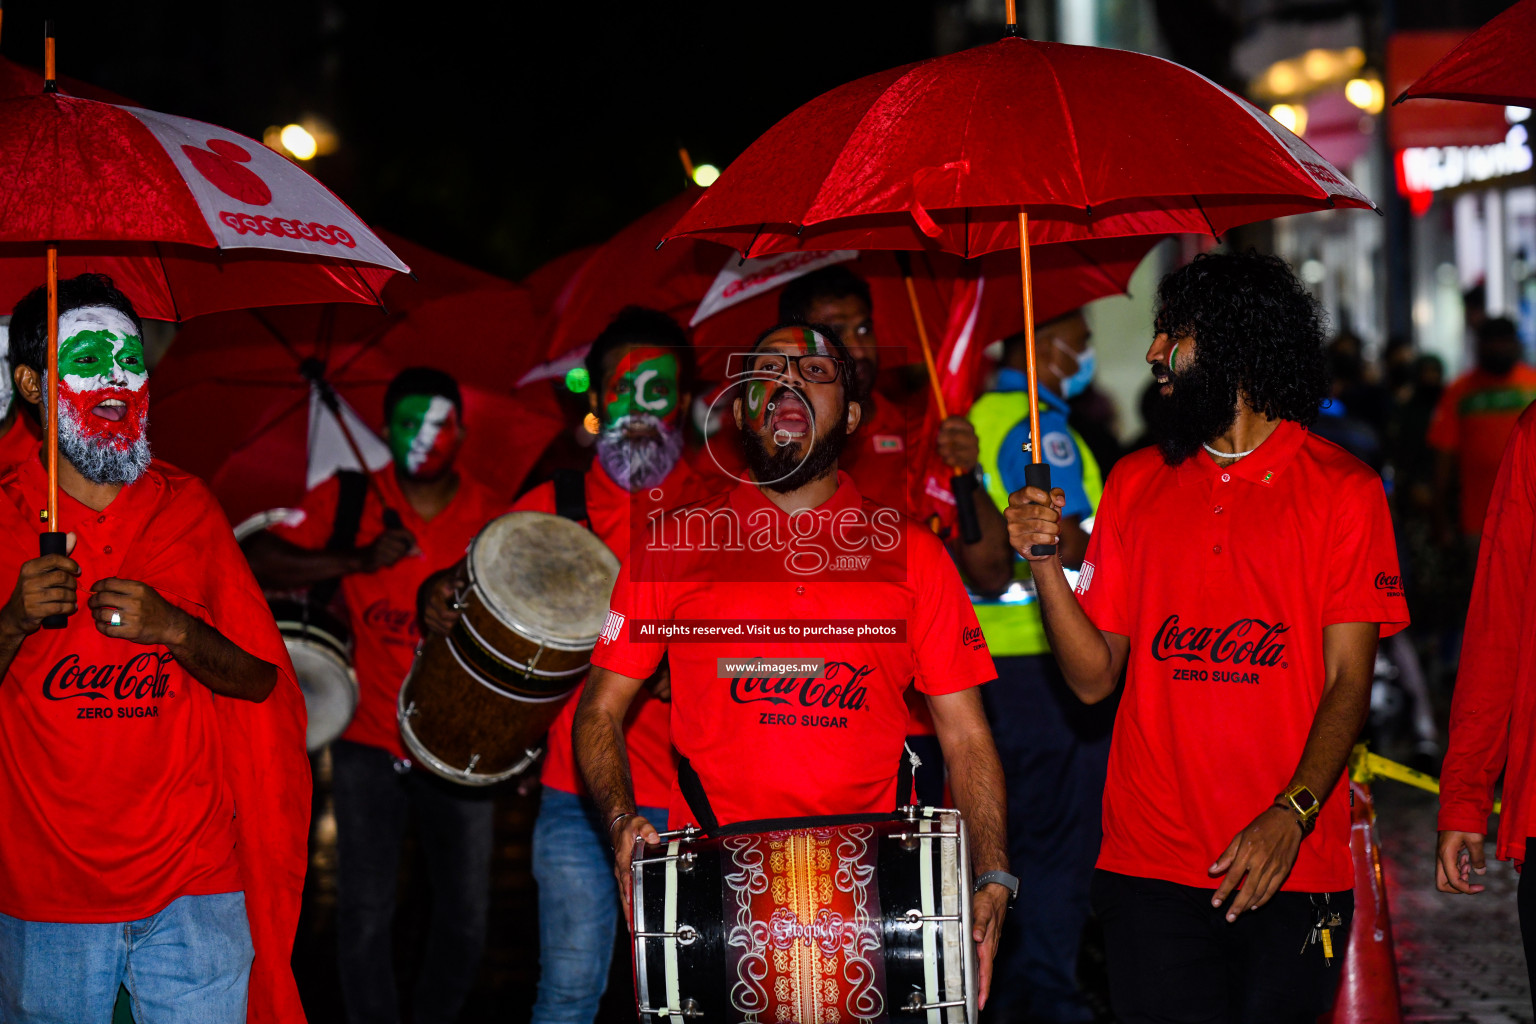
x=1250, y=316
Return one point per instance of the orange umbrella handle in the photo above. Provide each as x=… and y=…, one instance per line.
x=1038, y=472
x=52, y=541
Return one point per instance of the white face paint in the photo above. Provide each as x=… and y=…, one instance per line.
x=432, y=424
x=105, y=333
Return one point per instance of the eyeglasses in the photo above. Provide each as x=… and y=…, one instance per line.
x=813, y=369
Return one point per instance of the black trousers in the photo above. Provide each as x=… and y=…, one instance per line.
x=1173, y=957
x=1526, y=902
x=453, y=830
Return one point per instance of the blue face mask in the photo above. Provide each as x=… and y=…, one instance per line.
x=1087, y=361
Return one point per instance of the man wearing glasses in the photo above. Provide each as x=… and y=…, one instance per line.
x=778, y=568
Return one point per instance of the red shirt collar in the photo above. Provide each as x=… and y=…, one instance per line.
x=1264, y=466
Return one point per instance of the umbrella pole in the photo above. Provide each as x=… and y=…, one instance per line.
x=962, y=485
x=1038, y=472
x=52, y=540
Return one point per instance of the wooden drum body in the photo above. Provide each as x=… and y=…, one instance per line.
x=477, y=701
x=864, y=922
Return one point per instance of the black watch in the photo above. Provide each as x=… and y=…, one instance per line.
x=1002, y=878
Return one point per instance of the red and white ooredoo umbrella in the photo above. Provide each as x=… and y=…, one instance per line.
x=186, y=218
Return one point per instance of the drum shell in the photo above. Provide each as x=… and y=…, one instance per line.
x=706, y=893
x=505, y=657
x=462, y=728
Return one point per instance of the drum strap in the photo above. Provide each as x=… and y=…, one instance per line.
x=692, y=788
x=352, y=488
x=571, y=494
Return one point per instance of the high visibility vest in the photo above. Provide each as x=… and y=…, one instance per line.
x=1011, y=622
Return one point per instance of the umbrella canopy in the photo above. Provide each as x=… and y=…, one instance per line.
x=232, y=400
x=726, y=302
x=1492, y=65
x=945, y=153
x=186, y=217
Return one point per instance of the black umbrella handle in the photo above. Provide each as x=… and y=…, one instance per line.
x=963, y=485
x=1038, y=474
x=52, y=543
x=392, y=519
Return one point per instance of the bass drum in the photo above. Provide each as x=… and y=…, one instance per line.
x=478, y=701
x=321, y=649
x=827, y=924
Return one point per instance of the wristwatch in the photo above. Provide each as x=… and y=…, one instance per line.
x=1002, y=878
x=1304, y=802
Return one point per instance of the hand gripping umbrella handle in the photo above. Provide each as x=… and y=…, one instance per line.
x=52, y=543
x=1038, y=474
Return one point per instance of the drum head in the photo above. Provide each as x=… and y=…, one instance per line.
x=330, y=691
x=544, y=575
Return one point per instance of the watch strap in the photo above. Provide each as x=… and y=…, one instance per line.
x=1002, y=878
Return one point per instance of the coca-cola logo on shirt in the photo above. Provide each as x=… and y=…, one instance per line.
x=1393, y=585
x=1240, y=642
x=842, y=687
x=144, y=675
x=382, y=615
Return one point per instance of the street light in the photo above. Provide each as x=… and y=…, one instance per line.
x=1366, y=93
x=1292, y=115
x=705, y=175
x=297, y=140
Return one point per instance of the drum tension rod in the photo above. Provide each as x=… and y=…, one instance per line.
x=924, y=835
x=685, y=935
x=690, y=1010
x=915, y=917
x=915, y=1004
x=684, y=861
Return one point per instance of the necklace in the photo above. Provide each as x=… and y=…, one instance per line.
x=1228, y=455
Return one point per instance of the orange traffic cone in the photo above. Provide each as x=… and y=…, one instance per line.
x=1368, y=991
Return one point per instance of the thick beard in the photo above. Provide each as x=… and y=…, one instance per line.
x=1202, y=407
x=637, y=463
x=783, y=470
x=101, y=460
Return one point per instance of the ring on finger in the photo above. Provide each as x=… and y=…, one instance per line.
x=117, y=619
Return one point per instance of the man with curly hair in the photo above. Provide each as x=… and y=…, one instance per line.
x=1240, y=575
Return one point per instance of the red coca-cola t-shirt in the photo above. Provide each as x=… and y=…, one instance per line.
x=792, y=746
x=112, y=772
x=381, y=606
x=1223, y=580
x=612, y=512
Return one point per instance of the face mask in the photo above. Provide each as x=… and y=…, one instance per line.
x=424, y=435
x=644, y=382
x=1087, y=361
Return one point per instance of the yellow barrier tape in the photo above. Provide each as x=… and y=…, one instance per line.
x=1365, y=767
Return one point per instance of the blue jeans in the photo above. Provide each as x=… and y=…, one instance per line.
x=1055, y=753
x=189, y=963
x=578, y=906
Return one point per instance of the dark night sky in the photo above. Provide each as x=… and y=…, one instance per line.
x=502, y=134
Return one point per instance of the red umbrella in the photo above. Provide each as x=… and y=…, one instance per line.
x=726, y=303
x=1492, y=65
x=961, y=153
x=235, y=398
x=135, y=194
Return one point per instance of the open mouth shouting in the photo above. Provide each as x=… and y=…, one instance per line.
x=788, y=417
x=1163, y=377
x=114, y=410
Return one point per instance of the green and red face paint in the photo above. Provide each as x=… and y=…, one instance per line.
x=645, y=382
x=424, y=435
x=103, y=381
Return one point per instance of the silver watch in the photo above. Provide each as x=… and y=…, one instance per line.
x=1002, y=878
